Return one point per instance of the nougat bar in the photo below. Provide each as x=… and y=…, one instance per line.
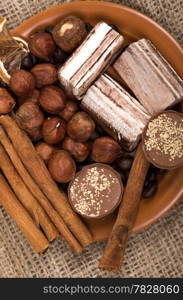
x=151, y=78
x=120, y=114
x=91, y=58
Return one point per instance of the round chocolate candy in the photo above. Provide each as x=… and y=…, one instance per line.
x=163, y=140
x=96, y=191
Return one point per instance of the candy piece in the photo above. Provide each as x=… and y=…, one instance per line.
x=93, y=56
x=163, y=140
x=118, y=112
x=96, y=191
x=150, y=77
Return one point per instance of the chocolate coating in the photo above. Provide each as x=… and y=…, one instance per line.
x=163, y=140
x=96, y=191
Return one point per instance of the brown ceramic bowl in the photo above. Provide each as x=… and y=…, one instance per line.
x=133, y=25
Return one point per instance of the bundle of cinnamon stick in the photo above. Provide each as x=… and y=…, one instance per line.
x=31, y=197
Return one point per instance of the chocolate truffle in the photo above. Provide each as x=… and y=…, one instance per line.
x=96, y=191
x=163, y=140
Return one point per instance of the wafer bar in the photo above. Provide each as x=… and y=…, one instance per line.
x=93, y=56
x=121, y=115
x=151, y=78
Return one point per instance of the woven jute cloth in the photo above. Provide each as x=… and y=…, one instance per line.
x=155, y=252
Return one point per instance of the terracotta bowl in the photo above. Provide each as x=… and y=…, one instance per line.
x=133, y=25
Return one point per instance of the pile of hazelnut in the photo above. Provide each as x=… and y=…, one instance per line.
x=65, y=137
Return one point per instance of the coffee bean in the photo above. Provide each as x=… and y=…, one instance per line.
x=150, y=189
x=161, y=171
x=34, y=59
x=125, y=163
x=100, y=130
x=89, y=27
x=27, y=63
x=49, y=29
x=64, y=186
x=95, y=136
x=59, y=56
x=114, y=27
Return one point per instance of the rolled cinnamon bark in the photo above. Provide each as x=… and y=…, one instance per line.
x=113, y=255
x=40, y=174
x=28, y=180
x=25, y=197
x=21, y=217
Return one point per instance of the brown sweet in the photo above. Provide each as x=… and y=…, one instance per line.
x=69, y=111
x=79, y=150
x=80, y=127
x=29, y=117
x=42, y=45
x=53, y=130
x=52, y=99
x=62, y=167
x=22, y=83
x=105, y=150
x=45, y=74
x=96, y=191
x=45, y=150
x=69, y=33
x=7, y=102
x=163, y=140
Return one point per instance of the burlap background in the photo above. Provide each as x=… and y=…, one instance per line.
x=155, y=252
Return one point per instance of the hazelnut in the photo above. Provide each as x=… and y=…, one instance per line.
x=35, y=134
x=42, y=45
x=105, y=150
x=62, y=167
x=52, y=99
x=81, y=127
x=29, y=116
x=45, y=74
x=7, y=102
x=53, y=130
x=34, y=98
x=69, y=111
x=79, y=150
x=45, y=150
x=69, y=33
x=22, y=83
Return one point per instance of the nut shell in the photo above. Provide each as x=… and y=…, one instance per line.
x=45, y=150
x=7, y=102
x=69, y=33
x=42, y=45
x=45, y=74
x=52, y=99
x=80, y=127
x=53, y=130
x=29, y=116
x=105, y=150
x=22, y=83
x=62, y=167
x=79, y=150
x=69, y=111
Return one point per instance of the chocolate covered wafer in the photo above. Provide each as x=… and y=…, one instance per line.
x=93, y=56
x=149, y=75
x=121, y=115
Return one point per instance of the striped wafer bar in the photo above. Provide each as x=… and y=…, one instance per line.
x=92, y=57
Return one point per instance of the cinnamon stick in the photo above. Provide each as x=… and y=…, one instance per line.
x=23, y=220
x=28, y=180
x=26, y=197
x=40, y=174
x=113, y=255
